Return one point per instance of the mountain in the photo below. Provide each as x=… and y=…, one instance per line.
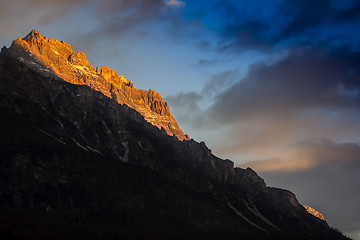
x=86, y=155
x=56, y=59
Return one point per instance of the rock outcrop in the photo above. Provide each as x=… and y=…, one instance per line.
x=313, y=212
x=57, y=59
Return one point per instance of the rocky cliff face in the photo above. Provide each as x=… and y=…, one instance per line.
x=52, y=58
x=74, y=163
x=312, y=211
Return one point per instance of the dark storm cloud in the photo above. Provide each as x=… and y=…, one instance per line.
x=306, y=78
x=292, y=22
x=245, y=36
x=238, y=29
x=304, y=15
x=350, y=13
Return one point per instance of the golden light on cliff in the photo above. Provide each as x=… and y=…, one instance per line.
x=313, y=212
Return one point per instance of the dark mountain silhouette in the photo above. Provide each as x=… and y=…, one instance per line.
x=85, y=155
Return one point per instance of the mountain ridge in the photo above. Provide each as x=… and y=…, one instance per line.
x=54, y=58
x=71, y=153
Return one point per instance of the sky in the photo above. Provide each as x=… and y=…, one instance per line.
x=273, y=85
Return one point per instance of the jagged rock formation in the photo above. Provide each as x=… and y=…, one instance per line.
x=313, y=212
x=52, y=58
x=76, y=164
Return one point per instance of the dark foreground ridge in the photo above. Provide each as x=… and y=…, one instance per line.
x=76, y=164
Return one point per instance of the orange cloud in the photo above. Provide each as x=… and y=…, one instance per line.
x=307, y=155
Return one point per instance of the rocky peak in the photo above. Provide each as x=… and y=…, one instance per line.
x=111, y=76
x=57, y=59
x=313, y=212
x=34, y=34
x=79, y=59
x=156, y=103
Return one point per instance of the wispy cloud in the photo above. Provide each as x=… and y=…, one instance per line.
x=187, y=107
x=174, y=3
x=330, y=186
x=310, y=154
x=41, y=11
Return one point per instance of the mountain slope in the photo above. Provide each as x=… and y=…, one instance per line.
x=52, y=58
x=81, y=165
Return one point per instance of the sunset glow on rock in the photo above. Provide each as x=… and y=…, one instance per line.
x=314, y=212
x=59, y=60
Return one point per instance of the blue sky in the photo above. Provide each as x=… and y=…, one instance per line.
x=269, y=84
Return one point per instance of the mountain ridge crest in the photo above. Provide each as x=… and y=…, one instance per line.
x=53, y=58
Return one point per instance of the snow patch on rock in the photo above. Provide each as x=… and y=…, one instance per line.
x=125, y=158
x=245, y=218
